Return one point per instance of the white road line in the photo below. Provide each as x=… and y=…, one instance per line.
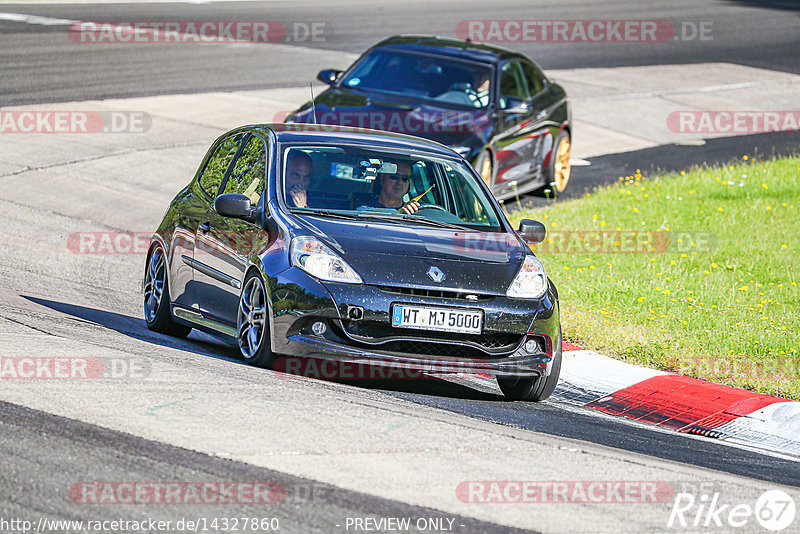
x=179, y=38
x=686, y=90
x=33, y=19
x=83, y=2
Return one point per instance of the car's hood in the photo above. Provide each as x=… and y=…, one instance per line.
x=400, y=114
x=401, y=255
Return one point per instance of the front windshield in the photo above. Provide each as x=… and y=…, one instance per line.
x=439, y=79
x=354, y=181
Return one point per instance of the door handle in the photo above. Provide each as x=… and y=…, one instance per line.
x=205, y=227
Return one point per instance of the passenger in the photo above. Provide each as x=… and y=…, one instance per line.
x=298, y=177
x=393, y=187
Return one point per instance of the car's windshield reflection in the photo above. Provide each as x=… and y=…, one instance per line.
x=346, y=182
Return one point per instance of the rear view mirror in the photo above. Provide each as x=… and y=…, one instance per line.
x=328, y=76
x=234, y=205
x=388, y=168
x=533, y=232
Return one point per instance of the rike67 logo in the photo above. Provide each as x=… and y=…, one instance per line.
x=774, y=511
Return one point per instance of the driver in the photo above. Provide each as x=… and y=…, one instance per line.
x=481, y=85
x=393, y=187
x=298, y=176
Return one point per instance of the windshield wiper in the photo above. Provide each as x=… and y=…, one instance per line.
x=323, y=213
x=408, y=218
x=377, y=215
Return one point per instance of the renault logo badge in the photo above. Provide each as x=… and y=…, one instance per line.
x=436, y=274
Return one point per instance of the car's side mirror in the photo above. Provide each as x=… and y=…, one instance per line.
x=514, y=106
x=531, y=231
x=234, y=205
x=328, y=76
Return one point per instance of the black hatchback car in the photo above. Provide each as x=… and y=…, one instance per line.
x=495, y=107
x=289, y=244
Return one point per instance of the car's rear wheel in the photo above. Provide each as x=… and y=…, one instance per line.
x=559, y=169
x=485, y=167
x=533, y=389
x=157, y=314
x=252, y=325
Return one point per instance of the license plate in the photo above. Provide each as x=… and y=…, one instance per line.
x=435, y=318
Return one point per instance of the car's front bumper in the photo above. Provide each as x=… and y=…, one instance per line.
x=300, y=301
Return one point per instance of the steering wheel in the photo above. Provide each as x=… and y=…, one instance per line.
x=466, y=88
x=431, y=207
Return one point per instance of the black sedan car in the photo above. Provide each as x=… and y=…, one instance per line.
x=495, y=107
x=355, y=246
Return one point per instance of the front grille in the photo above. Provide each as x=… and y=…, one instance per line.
x=436, y=293
x=431, y=342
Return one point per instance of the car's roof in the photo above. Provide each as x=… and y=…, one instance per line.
x=325, y=133
x=431, y=44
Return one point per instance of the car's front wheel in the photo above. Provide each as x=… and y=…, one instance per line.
x=252, y=323
x=156, y=296
x=533, y=389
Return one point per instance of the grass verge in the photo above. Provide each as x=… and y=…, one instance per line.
x=694, y=273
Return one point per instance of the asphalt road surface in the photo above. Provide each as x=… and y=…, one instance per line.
x=39, y=63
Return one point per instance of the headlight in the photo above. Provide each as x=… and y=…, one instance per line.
x=321, y=262
x=530, y=282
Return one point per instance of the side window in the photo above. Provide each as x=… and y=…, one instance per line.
x=467, y=205
x=534, y=77
x=511, y=83
x=249, y=171
x=422, y=182
x=218, y=164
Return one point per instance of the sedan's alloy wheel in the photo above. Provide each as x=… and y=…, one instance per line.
x=562, y=164
x=154, y=285
x=252, y=317
x=486, y=169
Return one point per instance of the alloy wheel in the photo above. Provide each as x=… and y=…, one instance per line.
x=562, y=165
x=154, y=284
x=486, y=170
x=251, y=317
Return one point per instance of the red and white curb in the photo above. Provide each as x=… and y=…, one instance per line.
x=679, y=403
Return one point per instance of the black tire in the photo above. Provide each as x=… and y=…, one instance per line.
x=533, y=389
x=558, y=170
x=485, y=167
x=252, y=323
x=157, y=314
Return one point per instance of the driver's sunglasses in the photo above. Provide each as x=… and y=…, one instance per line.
x=405, y=177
